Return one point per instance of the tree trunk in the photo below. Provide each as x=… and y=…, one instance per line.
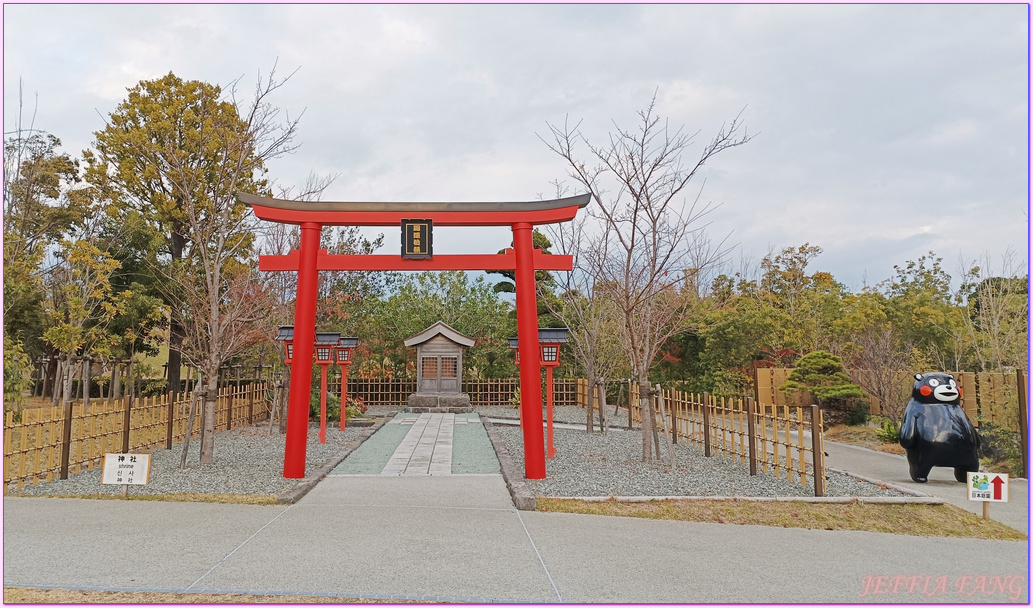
x=87, y=363
x=116, y=381
x=57, y=384
x=175, y=358
x=190, y=428
x=590, y=406
x=102, y=386
x=656, y=434
x=177, y=243
x=275, y=406
x=285, y=402
x=129, y=402
x=667, y=427
x=69, y=367
x=208, y=428
x=601, y=383
x=80, y=370
x=50, y=377
x=645, y=401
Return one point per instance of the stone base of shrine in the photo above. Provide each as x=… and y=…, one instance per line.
x=439, y=404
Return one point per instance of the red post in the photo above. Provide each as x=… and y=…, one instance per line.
x=322, y=404
x=548, y=408
x=344, y=394
x=304, y=339
x=530, y=366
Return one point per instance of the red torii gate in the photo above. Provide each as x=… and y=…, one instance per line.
x=310, y=259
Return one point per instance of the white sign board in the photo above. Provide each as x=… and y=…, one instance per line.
x=988, y=487
x=126, y=469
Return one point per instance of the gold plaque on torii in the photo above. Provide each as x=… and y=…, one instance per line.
x=417, y=239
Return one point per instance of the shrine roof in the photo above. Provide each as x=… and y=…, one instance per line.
x=440, y=328
x=387, y=213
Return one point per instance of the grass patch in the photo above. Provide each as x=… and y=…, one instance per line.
x=25, y=595
x=863, y=436
x=236, y=499
x=908, y=519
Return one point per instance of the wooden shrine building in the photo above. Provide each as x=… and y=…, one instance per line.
x=439, y=370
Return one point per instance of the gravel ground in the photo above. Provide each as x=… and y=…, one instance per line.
x=248, y=461
x=565, y=413
x=611, y=465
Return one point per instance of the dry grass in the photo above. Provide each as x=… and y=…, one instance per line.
x=908, y=519
x=30, y=403
x=863, y=436
x=238, y=499
x=22, y=595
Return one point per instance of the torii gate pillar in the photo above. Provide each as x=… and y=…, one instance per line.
x=304, y=340
x=527, y=335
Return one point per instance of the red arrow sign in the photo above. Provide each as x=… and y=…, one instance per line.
x=998, y=482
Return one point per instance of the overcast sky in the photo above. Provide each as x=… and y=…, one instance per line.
x=882, y=132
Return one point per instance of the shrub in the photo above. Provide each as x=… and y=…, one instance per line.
x=1000, y=449
x=355, y=408
x=333, y=406
x=154, y=387
x=17, y=373
x=821, y=374
x=857, y=415
x=889, y=431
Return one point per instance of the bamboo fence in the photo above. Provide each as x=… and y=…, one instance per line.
x=35, y=448
x=376, y=391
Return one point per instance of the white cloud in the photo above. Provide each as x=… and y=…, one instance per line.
x=884, y=130
x=954, y=133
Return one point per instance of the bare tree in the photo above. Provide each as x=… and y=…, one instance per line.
x=591, y=318
x=216, y=293
x=653, y=251
x=995, y=326
x=879, y=365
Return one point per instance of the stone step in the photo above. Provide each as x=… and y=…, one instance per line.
x=439, y=410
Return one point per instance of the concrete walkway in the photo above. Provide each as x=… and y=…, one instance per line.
x=456, y=537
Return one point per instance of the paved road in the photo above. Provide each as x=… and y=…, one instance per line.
x=457, y=537
x=893, y=469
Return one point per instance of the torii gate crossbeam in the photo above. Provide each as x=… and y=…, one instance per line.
x=309, y=260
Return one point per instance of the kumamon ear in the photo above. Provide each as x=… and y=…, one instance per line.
x=918, y=376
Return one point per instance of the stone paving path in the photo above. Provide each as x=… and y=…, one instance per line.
x=426, y=448
x=429, y=444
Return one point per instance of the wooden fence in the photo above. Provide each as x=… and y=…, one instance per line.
x=986, y=396
x=781, y=440
x=44, y=442
x=390, y=392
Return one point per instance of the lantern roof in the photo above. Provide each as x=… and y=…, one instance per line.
x=327, y=338
x=547, y=335
x=553, y=334
x=348, y=342
x=286, y=332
